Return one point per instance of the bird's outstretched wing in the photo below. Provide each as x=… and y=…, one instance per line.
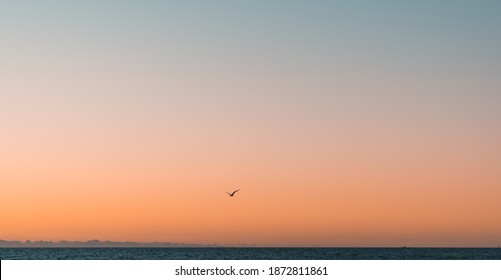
x=232, y=193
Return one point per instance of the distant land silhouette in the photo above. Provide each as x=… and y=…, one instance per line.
x=93, y=244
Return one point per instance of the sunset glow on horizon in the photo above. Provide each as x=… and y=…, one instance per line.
x=342, y=124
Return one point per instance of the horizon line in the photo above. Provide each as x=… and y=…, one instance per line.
x=110, y=244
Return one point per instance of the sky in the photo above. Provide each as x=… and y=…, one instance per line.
x=344, y=123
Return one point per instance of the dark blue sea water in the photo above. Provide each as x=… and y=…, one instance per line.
x=250, y=253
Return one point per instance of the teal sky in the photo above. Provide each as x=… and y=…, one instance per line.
x=298, y=44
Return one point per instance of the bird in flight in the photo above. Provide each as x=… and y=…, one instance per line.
x=233, y=193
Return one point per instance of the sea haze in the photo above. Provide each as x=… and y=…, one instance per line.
x=90, y=244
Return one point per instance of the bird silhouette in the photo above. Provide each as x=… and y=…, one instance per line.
x=233, y=193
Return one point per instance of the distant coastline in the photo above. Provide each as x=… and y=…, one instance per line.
x=93, y=244
x=132, y=244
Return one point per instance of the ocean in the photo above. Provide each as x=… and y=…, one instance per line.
x=231, y=253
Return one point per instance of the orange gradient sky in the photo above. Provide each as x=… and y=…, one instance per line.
x=342, y=124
